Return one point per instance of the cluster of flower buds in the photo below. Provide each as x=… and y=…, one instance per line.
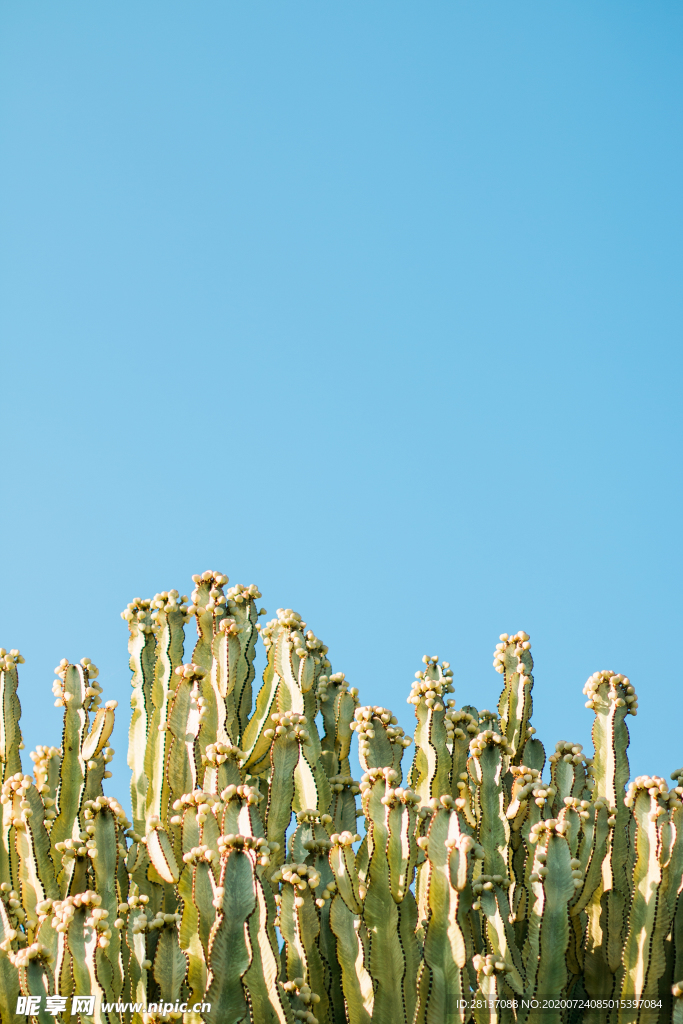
x=216, y=599
x=308, y=645
x=462, y=786
x=503, y=651
x=601, y=802
x=206, y=804
x=42, y=757
x=541, y=870
x=544, y=793
x=8, y=659
x=368, y=779
x=12, y=903
x=143, y=926
x=301, y=877
x=466, y=844
x=138, y=612
x=344, y=838
x=298, y=987
x=658, y=790
x=311, y=815
x=134, y=901
x=317, y=847
x=64, y=910
x=242, y=595
x=84, y=846
x=437, y=803
x=167, y=601
x=231, y=626
x=489, y=738
x=92, y=691
x=620, y=693
x=524, y=780
x=190, y=671
x=364, y=727
x=429, y=689
x=582, y=807
x=490, y=964
x=569, y=752
x=486, y=883
x=200, y=853
x=250, y=795
x=459, y=724
x=288, y=724
x=338, y=783
x=549, y=826
x=17, y=788
x=489, y=720
x=22, y=957
x=337, y=682
x=261, y=847
x=217, y=753
x=94, y=807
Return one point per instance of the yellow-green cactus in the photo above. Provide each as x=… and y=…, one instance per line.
x=260, y=882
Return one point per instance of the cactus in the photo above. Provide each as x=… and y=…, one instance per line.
x=258, y=881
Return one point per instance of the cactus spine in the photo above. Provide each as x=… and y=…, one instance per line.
x=259, y=882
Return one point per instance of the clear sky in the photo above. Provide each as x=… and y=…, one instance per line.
x=376, y=305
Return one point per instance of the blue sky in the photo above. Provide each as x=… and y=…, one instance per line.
x=376, y=305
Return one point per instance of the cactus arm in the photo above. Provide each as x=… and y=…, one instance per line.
x=190, y=942
x=591, y=863
x=169, y=966
x=432, y=762
x=160, y=851
x=9, y=976
x=612, y=698
x=488, y=765
x=34, y=981
x=356, y=980
x=552, y=885
x=284, y=759
x=300, y=927
x=33, y=847
x=141, y=648
x=513, y=660
x=380, y=742
x=386, y=962
x=242, y=607
x=230, y=955
x=445, y=948
x=10, y=713
x=343, y=864
x=84, y=976
x=235, y=617
x=183, y=725
x=75, y=683
x=337, y=704
x=255, y=742
x=103, y=817
x=266, y=996
x=169, y=635
x=656, y=879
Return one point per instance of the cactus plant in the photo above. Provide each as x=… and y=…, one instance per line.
x=257, y=881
